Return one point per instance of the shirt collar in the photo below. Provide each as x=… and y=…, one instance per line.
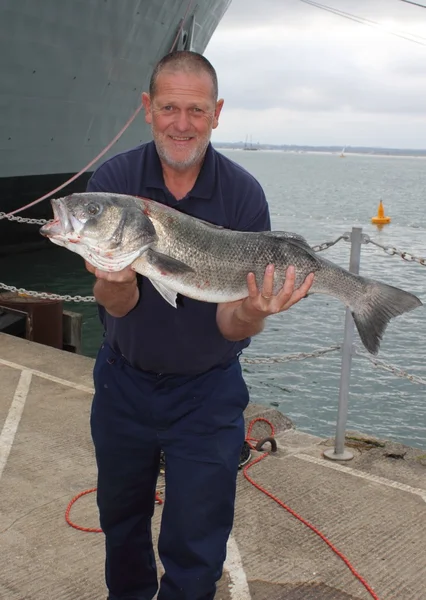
x=204, y=185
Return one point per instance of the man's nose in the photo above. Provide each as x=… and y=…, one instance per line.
x=182, y=122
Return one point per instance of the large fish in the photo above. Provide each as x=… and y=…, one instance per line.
x=182, y=254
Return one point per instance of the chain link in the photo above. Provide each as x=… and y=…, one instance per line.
x=391, y=250
x=4, y=215
x=380, y=364
x=46, y=295
x=326, y=245
x=288, y=357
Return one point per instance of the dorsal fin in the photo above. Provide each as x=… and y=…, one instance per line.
x=288, y=236
x=212, y=225
x=295, y=240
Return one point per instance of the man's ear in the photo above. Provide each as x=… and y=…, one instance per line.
x=146, y=101
x=217, y=110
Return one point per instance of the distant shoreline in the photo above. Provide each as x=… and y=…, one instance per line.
x=362, y=151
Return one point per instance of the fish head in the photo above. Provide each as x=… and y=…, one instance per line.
x=108, y=230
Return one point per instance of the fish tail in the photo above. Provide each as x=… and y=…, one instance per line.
x=373, y=310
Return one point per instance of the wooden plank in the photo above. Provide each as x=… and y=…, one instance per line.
x=72, y=325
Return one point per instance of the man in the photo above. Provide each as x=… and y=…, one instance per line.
x=169, y=379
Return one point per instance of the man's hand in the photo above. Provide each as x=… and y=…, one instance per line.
x=245, y=318
x=126, y=275
x=117, y=291
x=261, y=303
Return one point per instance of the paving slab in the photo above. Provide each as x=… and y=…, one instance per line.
x=372, y=508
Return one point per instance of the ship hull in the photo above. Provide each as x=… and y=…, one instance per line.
x=72, y=75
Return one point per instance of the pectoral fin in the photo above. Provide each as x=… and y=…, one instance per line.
x=168, y=294
x=167, y=264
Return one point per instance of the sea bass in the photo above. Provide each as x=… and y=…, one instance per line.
x=181, y=254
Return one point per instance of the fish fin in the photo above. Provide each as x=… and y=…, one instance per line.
x=212, y=225
x=384, y=302
x=297, y=241
x=167, y=264
x=289, y=237
x=168, y=294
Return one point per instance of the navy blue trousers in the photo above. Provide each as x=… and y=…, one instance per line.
x=198, y=422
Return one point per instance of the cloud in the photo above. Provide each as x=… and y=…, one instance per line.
x=276, y=58
x=297, y=13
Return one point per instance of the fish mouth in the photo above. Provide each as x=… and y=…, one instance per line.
x=60, y=225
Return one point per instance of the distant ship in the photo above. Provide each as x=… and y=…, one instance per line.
x=72, y=74
x=249, y=145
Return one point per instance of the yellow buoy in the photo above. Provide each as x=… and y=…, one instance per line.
x=380, y=218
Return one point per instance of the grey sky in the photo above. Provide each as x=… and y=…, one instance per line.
x=292, y=73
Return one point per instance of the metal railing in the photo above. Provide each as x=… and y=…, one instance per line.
x=348, y=349
x=339, y=452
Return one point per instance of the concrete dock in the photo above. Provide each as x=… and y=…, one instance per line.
x=372, y=509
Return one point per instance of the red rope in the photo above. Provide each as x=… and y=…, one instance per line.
x=67, y=513
x=249, y=439
x=158, y=500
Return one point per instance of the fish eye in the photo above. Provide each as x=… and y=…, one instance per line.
x=93, y=209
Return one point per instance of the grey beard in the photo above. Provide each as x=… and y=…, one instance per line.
x=191, y=161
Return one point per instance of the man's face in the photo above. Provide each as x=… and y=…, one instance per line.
x=182, y=114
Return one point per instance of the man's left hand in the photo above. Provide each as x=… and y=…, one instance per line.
x=261, y=303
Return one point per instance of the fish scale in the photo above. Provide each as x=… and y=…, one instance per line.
x=207, y=248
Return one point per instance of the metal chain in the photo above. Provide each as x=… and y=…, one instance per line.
x=4, y=215
x=380, y=364
x=68, y=298
x=46, y=295
x=244, y=359
x=288, y=357
x=391, y=250
x=325, y=245
x=322, y=351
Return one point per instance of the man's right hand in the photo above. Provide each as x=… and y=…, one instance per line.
x=116, y=291
x=127, y=275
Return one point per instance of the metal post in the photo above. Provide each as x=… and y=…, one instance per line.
x=339, y=452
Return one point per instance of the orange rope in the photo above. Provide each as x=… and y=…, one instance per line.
x=67, y=513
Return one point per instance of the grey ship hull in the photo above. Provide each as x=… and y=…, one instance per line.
x=72, y=74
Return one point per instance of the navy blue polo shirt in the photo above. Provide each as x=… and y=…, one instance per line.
x=155, y=336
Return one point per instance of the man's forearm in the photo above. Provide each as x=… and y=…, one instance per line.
x=117, y=298
x=234, y=325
